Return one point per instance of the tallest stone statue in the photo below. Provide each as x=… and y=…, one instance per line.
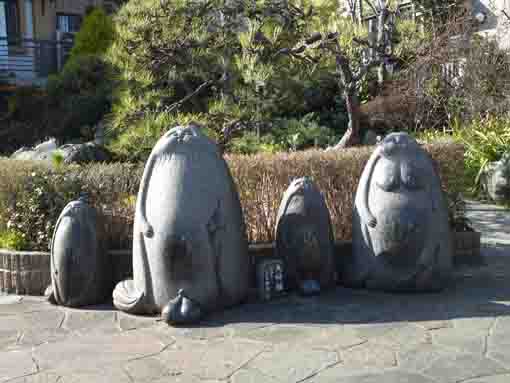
x=190, y=252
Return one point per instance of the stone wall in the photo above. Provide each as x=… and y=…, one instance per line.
x=26, y=272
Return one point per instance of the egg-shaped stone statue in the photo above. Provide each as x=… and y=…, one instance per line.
x=190, y=251
x=495, y=179
x=401, y=234
x=79, y=267
x=304, y=238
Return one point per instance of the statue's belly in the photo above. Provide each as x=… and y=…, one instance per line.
x=402, y=227
x=179, y=254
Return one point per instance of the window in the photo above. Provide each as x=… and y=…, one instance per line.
x=11, y=26
x=68, y=23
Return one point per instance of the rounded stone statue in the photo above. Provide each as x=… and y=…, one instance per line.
x=190, y=252
x=495, y=179
x=401, y=235
x=79, y=267
x=304, y=238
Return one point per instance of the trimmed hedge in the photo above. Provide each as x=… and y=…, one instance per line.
x=33, y=194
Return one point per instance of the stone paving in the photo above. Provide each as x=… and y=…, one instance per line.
x=461, y=335
x=492, y=221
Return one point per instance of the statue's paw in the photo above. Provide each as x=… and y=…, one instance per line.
x=181, y=311
x=49, y=295
x=148, y=230
x=127, y=298
x=372, y=222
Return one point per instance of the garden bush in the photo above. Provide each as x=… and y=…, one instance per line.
x=26, y=120
x=485, y=140
x=95, y=36
x=32, y=195
x=76, y=98
x=13, y=240
x=79, y=96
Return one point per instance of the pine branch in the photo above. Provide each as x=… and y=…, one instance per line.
x=182, y=101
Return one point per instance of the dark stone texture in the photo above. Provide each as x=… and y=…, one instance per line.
x=401, y=235
x=79, y=267
x=304, y=237
x=84, y=153
x=189, y=231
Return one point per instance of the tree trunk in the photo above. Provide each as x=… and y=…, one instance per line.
x=350, y=90
x=352, y=136
x=383, y=40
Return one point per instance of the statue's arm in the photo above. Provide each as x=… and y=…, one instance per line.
x=365, y=181
x=52, y=245
x=145, y=226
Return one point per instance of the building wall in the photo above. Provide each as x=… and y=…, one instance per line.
x=44, y=19
x=45, y=14
x=76, y=7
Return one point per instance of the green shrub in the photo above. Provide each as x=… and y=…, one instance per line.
x=32, y=195
x=80, y=95
x=95, y=35
x=13, y=240
x=34, y=211
x=485, y=140
x=285, y=135
x=57, y=159
x=26, y=120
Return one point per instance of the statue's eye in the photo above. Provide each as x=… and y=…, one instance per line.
x=388, y=183
x=386, y=175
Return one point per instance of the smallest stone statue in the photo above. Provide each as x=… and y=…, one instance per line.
x=79, y=269
x=304, y=238
x=495, y=179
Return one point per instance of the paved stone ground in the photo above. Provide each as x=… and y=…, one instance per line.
x=461, y=335
x=492, y=221
x=354, y=336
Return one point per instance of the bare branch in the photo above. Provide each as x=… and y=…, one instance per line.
x=178, y=104
x=372, y=6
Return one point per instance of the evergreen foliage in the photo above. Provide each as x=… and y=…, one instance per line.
x=79, y=96
x=230, y=57
x=95, y=35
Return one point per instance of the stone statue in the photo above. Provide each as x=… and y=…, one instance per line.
x=190, y=252
x=304, y=238
x=495, y=179
x=80, y=274
x=401, y=235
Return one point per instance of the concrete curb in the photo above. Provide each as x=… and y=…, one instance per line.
x=28, y=272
